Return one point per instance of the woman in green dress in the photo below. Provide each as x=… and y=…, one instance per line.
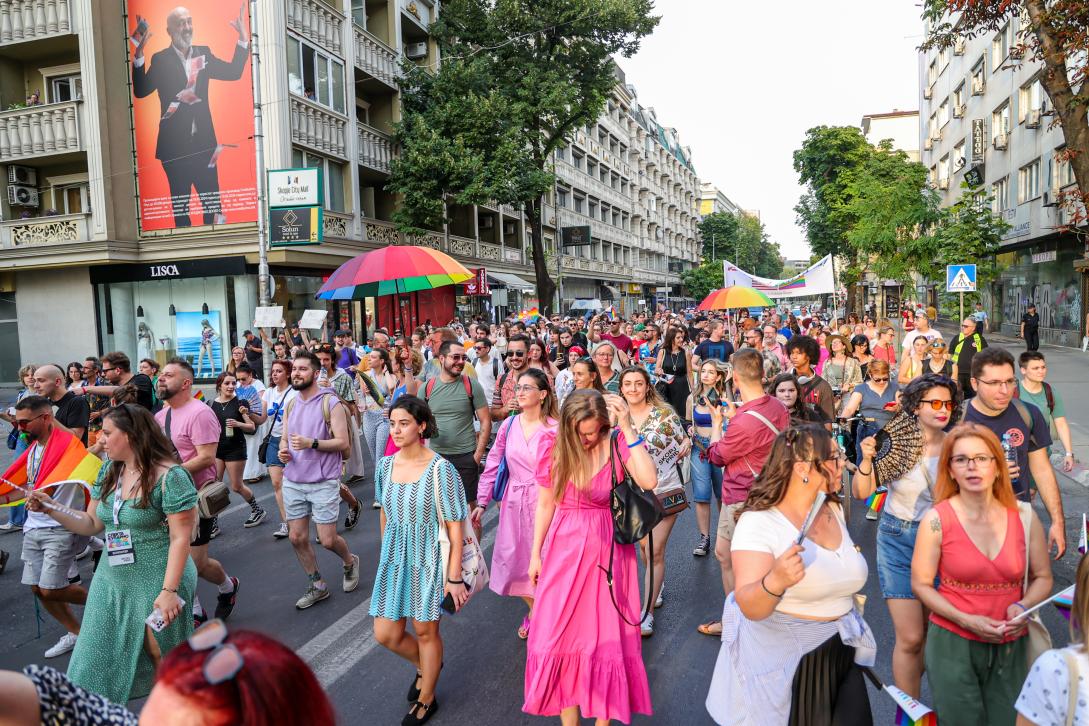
x=143, y=493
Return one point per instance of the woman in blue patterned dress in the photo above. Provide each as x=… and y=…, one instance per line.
x=409, y=582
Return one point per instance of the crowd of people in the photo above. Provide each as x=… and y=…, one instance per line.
x=767, y=413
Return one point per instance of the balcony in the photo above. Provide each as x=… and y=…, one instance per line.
x=316, y=21
x=23, y=20
x=375, y=58
x=32, y=132
x=375, y=148
x=318, y=128
x=44, y=231
x=336, y=224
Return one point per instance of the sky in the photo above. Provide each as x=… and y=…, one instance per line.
x=743, y=81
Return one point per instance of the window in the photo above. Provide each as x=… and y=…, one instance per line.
x=1000, y=47
x=1000, y=120
x=959, y=99
x=932, y=73
x=933, y=175
x=932, y=126
x=1000, y=193
x=580, y=160
x=591, y=167
x=563, y=196
x=314, y=75
x=71, y=199
x=1064, y=173
x=943, y=169
x=1031, y=98
x=580, y=203
x=332, y=172
x=943, y=113
x=359, y=13
x=1028, y=182
x=959, y=160
x=943, y=58
x=593, y=207
x=979, y=77
x=65, y=88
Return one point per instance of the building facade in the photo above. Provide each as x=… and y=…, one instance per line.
x=713, y=201
x=899, y=127
x=984, y=112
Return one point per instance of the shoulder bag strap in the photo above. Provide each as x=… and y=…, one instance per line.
x=1024, y=511
x=1072, y=686
x=764, y=420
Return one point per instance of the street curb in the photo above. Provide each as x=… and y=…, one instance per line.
x=1079, y=475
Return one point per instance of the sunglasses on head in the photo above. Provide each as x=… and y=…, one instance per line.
x=224, y=661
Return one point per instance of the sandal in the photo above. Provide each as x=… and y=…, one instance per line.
x=429, y=710
x=713, y=628
x=523, y=630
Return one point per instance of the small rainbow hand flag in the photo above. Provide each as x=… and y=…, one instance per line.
x=1064, y=601
x=529, y=316
x=909, y=711
x=876, y=501
x=64, y=458
x=199, y=395
x=927, y=719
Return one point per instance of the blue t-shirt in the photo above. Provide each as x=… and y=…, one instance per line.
x=1024, y=440
x=346, y=359
x=708, y=349
x=786, y=332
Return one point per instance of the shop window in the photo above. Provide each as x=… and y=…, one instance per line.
x=315, y=75
x=9, y=338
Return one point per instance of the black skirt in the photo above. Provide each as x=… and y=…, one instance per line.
x=829, y=689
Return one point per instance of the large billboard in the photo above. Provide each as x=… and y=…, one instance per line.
x=192, y=112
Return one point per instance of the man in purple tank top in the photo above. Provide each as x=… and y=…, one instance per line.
x=314, y=439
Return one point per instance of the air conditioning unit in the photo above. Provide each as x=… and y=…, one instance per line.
x=928, y=144
x=958, y=111
x=959, y=46
x=415, y=51
x=938, y=135
x=22, y=175
x=977, y=86
x=1048, y=201
x=943, y=183
x=487, y=222
x=928, y=92
x=1032, y=120
x=22, y=196
x=1001, y=141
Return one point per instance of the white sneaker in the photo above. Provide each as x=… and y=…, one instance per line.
x=661, y=596
x=9, y=527
x=64, y=645
x=281, y=532
x=646, y=628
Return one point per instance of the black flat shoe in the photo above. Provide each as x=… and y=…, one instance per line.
x=429, y=710
x=414, y=690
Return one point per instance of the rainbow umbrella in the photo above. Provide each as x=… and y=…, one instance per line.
x=735, y=296
x=392, y=270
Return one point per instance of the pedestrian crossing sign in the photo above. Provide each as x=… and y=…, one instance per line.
x=960, y=278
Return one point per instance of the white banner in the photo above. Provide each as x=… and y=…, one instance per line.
x=816, y=280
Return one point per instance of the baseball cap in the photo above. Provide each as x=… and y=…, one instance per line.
x=577, y=349
x=341, y=331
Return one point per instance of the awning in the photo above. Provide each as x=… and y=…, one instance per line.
x=612, y=290
x=511, y=281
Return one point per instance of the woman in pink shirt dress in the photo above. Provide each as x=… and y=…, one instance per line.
x=519, y=440
x=582, y=659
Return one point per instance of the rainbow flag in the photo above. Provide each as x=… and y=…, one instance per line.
x=927, y=719
x=65, y=458
x=876, y=501
x=1064, y=601
x=199, y=395
x=529, y=316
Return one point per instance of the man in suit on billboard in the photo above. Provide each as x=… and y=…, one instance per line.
x=187, y=144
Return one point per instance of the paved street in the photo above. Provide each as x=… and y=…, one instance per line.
x=482, y=681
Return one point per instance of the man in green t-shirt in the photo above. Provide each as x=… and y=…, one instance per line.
x=455, y=399
x=1034, y=389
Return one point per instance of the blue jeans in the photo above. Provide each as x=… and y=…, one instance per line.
x=706, y=477
x=895, y=546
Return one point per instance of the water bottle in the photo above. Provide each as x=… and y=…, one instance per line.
x=1011, y=454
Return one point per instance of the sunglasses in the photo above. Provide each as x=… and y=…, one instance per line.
x=880, y=380
x=938, y=404
x=23, y=423
x=224, y=661
x=516, y=353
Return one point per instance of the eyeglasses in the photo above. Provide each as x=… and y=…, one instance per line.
x=225, y=660
x=516, y=353
x=23, y=423
x=937, y=404
x=525, y=388
x=880, y=380
x=1009, y=383
x=107, y=370
x=980, y=460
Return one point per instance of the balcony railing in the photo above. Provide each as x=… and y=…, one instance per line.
x=19, y=233
x=375, y=148
x=316, y=21
x=39, y=130
x=375, y=57
x=335, y=224
x=319, y=128
x=22, y=20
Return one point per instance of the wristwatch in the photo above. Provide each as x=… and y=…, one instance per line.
x=314, y=444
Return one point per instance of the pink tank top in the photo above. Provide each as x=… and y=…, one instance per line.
x=971, y=582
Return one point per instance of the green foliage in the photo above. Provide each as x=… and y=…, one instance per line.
x=967, y=231
x=518, y=78
x=742, y=240
x=700, y=281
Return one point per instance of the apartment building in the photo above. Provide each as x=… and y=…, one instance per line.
x=713, y=201
x=983, y=112
x=899, y=127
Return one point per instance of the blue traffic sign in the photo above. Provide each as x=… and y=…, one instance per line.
x=960, y=278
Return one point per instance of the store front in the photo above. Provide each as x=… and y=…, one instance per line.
x=1045, y=275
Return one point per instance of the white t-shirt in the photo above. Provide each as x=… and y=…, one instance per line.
x=831, y=577
x=910, y=496
x=930, y=335
x=70, y=495
x=272, y=399
x=1044, y=696
x=488, y=373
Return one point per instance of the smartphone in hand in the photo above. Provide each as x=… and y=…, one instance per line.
x=448, y=604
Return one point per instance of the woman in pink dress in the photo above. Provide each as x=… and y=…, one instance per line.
x=582, y=659
x=519, y=440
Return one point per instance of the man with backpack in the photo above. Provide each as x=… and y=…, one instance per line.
x=1021, y=426
x=1037, y=391
x=503, y=400
x=456, y=400
x=489, y=368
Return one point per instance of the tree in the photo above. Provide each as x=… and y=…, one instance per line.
x=967, y=230
x=547, y=68
x=742, y=240
x=700, y=281
x=718, y=232
x=1054, y=35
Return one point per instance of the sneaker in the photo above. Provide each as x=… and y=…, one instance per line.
x=225, y=601
x=199, y=620
x=661, y=596
x=646, y=628
x=281, y=532
x=256, y=517
x=703, y=547
x=351, y=575
x=215, y=528
x=64, y=645
x=9, y=527
x=353, y=515
x=313, y=596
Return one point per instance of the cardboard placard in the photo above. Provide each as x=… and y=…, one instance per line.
x=270, y=317
x=313, y=319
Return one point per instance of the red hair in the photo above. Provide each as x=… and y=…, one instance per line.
x=274, y=685
x=947, y=486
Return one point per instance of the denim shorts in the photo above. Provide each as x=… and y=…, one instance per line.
x=895, y=546
x=272, y=456
x=318, y=500
x=706, y=477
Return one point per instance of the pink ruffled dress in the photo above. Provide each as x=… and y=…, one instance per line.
x=580, y=652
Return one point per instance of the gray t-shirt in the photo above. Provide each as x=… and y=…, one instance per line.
x=454, y=415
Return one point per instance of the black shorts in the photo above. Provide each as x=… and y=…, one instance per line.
x=469, y=471
x=204, y=532
x=231, y=452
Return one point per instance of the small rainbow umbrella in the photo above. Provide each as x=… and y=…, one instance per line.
x=391, y=271
x=735, y=296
